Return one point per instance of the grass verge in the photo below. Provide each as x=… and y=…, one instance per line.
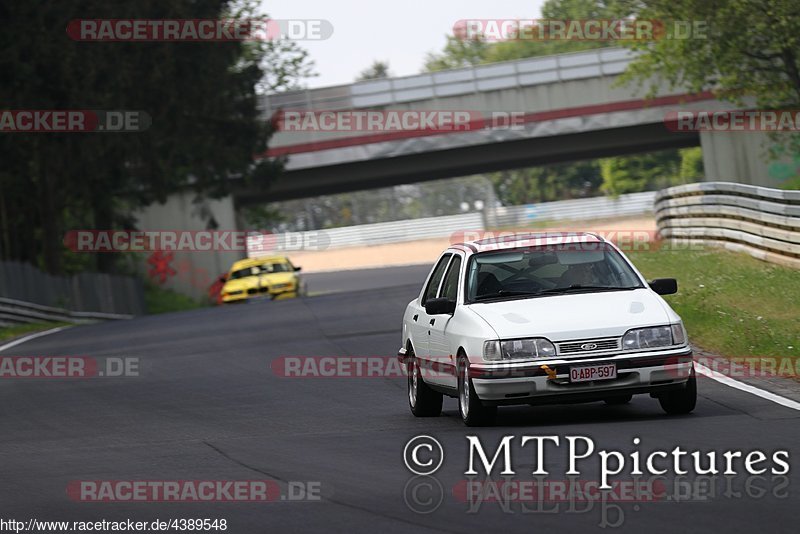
x=731, y=304
x=160, y=300
x=8, y=332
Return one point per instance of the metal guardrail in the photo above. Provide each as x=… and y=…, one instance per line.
x=28, y=294
x=508, y=74
x=759, y=221
x=14, y=311
x=575, y=209
x=82, y=292
x=500, y=217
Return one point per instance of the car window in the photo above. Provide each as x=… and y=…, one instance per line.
x=436, y=277
x=242, y=273
x=535, y=270
x=281, y=267
x=450, y=286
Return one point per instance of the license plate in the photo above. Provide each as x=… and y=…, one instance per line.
x=586, y=373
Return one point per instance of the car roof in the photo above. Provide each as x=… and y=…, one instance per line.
x=252, y=262
x=493, y=241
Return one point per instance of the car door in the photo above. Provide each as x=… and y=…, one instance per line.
x=418, y=319
x=439, y=346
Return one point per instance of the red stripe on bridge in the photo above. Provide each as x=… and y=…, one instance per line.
x=541, y=116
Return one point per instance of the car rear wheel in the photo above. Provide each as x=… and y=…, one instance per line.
x=472, y=410
x=620, y=399
x=681, y=401
x=423, y=401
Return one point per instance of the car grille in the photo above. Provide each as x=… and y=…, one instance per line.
x=584, y=346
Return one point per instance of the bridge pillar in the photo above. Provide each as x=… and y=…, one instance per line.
x=190, y=273
x=742, y=157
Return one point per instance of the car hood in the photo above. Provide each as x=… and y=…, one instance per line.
x=241, y=284
x=277, y=278
x=576, y=316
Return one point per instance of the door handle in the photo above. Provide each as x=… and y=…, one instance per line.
x=432, y=321
x=415, y=317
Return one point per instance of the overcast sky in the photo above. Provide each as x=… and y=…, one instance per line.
x=401, y=33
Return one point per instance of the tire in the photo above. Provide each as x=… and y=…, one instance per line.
x=621, y=399
x=472, y=410
x=682, y=401
x=423, y=401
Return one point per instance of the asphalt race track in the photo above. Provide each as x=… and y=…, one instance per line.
x=361, y=279
x=208, y=406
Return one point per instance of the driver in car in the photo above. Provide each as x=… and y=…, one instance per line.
x=579, y=274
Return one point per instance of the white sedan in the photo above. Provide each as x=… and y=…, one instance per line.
x=542, y=319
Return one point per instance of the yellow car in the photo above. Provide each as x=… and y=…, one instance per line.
x=273, y=277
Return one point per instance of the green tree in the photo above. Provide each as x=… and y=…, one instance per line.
x=202, y=98
x=747, y=49
x=691, y=169
x=457, y=53
x=643, y=172
x=376, y=71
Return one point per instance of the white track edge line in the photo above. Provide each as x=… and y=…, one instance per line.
x=783, y=401
x=31, y=336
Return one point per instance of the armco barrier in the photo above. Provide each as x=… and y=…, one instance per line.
x=28, y=294
x=500, y=217
x=16, y=311
x=759, y=221
x=575, y=209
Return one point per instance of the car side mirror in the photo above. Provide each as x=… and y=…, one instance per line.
x=440, y=306
x=298, y=269
x=664, y=286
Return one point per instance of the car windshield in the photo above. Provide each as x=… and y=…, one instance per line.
x=241, y=273
x=264, y=268
x=539, y=271
x=280, y=267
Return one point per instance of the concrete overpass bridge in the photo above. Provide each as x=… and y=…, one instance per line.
x=570, y=105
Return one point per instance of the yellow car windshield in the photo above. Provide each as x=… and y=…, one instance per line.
x=264, y=268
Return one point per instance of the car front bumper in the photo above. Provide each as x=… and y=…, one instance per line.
x=547, y=381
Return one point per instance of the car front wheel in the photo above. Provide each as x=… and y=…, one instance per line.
x=424, y=401
x=619, y=399
x=682, y=401
x=472, y=410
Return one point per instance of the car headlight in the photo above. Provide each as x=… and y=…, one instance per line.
x=518, y=349
x=491, y=350
x=678, y=334
x=647, y=338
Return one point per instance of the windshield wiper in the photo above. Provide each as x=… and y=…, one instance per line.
x=579, y=287
x=506, y=293
x=575, y=288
